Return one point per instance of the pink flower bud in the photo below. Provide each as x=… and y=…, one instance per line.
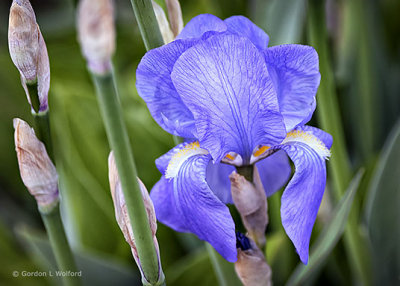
x=96, y=33
x=121, y=212
x=163, y=23
x=28, y=51
x=251, y=202
x=37, y=171
x=251, y=267
x=175, y=16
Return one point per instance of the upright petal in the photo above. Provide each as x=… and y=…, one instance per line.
x=184, y=201
x=224, y=81
x=244, y=27
x=295, y=73
x=201, y=24
x=154, y=85
x=274, y=171
x=302, y=197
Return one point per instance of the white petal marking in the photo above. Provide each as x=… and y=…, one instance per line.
x=310, y=140
x=181, y=156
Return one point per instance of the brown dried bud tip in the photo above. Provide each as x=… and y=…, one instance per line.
x=251, y=202
x=175, y=16
x=28, y=50
x=37, y=171
x=121, y=212
x=165, y=30
x=96, y=33
x=251, y=267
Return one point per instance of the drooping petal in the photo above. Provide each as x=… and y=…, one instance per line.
x=294, y=70
x=218, y=180
x=244, y=27
x=217, y=175
x=154, y=85
x=162, y=196
x=204, y=214
x=302, y=197
x=201, y=24
x=184, y=201
x=274, y=171
x=224, y=81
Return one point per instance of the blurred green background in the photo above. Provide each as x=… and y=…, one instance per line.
x=359, y=47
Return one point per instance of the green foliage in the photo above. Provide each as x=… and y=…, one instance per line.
x=383, y=212
x=358, y=103
x=94, y=270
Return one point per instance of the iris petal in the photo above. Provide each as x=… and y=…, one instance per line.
x=154, y=85
x=201, y=24
x=302, y=196
x=244, y=27
x=294, y=70
x=165, y=207
x=274, y=171
x=218, y=180
x=184, y=201
x=325, y=137
x=224, y=81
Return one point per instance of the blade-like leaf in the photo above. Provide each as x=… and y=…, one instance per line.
x=95, y=270
x=329, y=237
x=383, y=212
x=193, y=269
x=223, y=270
x=283, y=20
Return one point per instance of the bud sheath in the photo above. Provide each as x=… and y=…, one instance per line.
x=96, y=33
x=251, y=266
x=175, y=16
x=29, y=54
x=163, y=23
x=251, y=202
x=121, y=214
x=37, y=171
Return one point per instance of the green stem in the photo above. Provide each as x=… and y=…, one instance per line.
x=51, y=218
x=59, y=243
x=219, y=272
x=41, y=119
x=119, y=141
x=33, y=95
x=148, y=24
x=43, y=131
x=329, y=117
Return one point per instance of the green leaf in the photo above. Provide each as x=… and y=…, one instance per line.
x=283, y=20
x=193, y=269
x=96, y=270
x=383, y=212
x=224, y=270
x=328, y=238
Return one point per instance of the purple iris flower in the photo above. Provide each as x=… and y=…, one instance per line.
x=237, y=103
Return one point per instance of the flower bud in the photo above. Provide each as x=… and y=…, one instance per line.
x=121, y=213
x=175, y=16
x=37, y=171
x=165, y=30
x=251, y=267
x=251, y=202
x=28, y=52
x=96, y=33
